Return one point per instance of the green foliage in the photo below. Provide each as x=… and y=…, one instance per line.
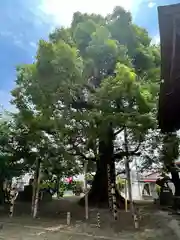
x=47, y=184
x=158, y=189
x=120, y=183
x=98, y=72
x=170, y=149
x=89, y=177
x=10, y=165
x=77, y=187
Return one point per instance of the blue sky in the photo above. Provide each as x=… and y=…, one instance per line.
x=24, y=22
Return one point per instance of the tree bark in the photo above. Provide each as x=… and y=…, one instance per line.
x=175, y=178
x=176, y=181
x=1, y=192
x=98, y=194
x=35, y=196
x=58, y=185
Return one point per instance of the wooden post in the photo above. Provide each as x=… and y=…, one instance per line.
x=86, y=191
x=13, y=195
x=11, y=208
x=36, y=200
x=98, y=220
x=109, y=187
x=113, y=191
x=68, y=218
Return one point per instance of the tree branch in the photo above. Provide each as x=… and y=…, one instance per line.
x=120, y=155
x=79, y=153
x=119, y=131
x=137, y=148
x=83, y=156
x=127, y=153
x=81, y=105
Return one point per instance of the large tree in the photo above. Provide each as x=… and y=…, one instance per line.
x=88, y=83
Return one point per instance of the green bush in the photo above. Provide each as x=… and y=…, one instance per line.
x=47, y=184
x=120, y=183
x=158, y=189
x=77, y=187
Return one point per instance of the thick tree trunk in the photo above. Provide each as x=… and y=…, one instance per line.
x=98, y=194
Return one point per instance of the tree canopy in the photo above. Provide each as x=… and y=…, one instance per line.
x=88, y=83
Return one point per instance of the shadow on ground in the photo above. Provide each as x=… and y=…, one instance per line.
x=51, y=223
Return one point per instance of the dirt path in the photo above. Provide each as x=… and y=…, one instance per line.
x=51, y=224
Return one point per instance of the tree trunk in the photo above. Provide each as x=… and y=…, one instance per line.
x=13, y=196
x=34, y=184
x=36, y=192
x=98, y=194
x=176, y=181
x=58, y=185
x=1, y=192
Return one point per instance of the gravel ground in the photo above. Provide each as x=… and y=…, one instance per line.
x=51, y=224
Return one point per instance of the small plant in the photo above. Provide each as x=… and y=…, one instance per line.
x=120, y=183
x=77, y=187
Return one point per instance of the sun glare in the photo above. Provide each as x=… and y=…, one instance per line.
x=62, y=12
